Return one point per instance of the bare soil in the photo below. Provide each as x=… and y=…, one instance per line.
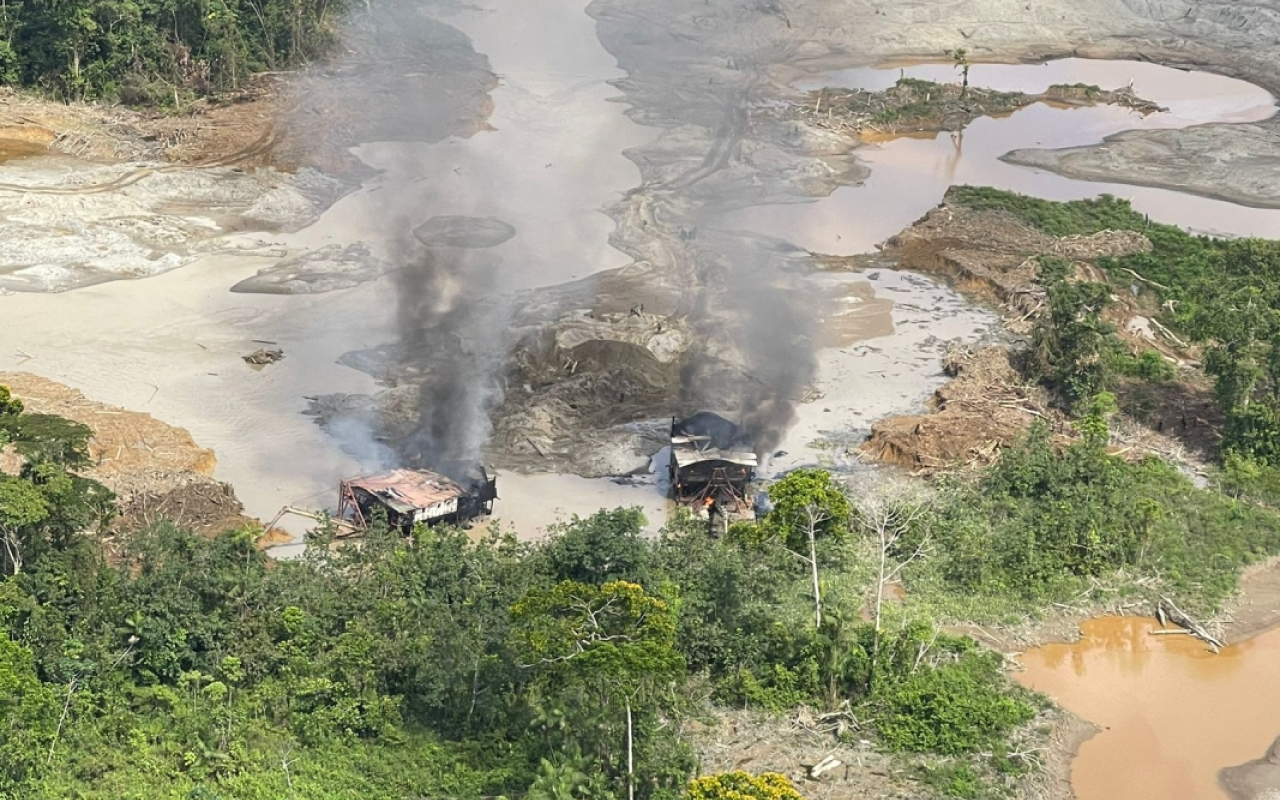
x=236, y=129
x=985, y=408
x=286, y=120
x=156, y=470
x=755, y=742
x=992, y=257
x=1256, y=605
x=734, y=739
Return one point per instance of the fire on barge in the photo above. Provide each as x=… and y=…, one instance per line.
x=713, y=463
x=408, y=497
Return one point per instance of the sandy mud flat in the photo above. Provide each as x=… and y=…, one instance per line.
x=675, y=158
x=910, y=174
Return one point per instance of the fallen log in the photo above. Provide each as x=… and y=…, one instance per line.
x=825, y=765
x=1180, y=618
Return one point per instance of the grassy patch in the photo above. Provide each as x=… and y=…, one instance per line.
x=1074, y=218
x=1043, y=525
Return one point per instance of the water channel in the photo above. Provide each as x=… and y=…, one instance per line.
x=909, y=174
x=171, y=344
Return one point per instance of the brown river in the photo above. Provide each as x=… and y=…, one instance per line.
x=1172, y=713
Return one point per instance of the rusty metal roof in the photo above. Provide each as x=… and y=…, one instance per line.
x=692, y=449
x=408, y=489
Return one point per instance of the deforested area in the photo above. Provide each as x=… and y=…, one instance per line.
x=658, y=399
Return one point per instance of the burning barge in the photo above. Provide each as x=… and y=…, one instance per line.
x=408, y=497
x=713, y=464
x=412, y=496
x=712, y=469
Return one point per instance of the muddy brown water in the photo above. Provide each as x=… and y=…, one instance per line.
x=909, y=174
x=1173, y=714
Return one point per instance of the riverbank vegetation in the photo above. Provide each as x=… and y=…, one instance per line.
x=914, y=105
x=176, y=666
x=1072, y=516
x=1218, y=294
x=151, y=53
x=1076, y=525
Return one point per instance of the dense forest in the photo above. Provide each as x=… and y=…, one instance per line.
x=152, y=51
x=438, y=666
x=166, y=665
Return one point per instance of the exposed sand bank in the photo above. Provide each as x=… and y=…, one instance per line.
x=157, y=471
x=1238, y=163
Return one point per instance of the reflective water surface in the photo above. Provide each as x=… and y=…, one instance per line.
x=1173, y=713
x=909, y=174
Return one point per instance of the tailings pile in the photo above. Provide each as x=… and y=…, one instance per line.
x=156, y=470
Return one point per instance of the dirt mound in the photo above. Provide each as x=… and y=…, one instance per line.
x=993, y=254
x=579, y=380
x=984, y=408
x=1103, y=244
x=235, y=128
x=156, y=470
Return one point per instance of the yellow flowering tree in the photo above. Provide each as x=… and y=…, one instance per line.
x=738, y=785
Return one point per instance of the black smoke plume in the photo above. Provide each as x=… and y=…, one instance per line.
x=755, y=354
x=451, y=327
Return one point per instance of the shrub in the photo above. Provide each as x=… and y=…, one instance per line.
x=740, y=785
x=951, y=709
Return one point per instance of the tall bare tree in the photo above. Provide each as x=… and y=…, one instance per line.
x=811, y=518
x=889, y=516
x=808, y=504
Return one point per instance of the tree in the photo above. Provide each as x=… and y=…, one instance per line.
x=614, y=640
x=1071, y=345
x=45, y=437
x=22, y=508
x=1241, y=326
x=960, y=57
x=606, y=546
x=893, y=518
x=807, y=504
x=28, y=714
x=10, y=406
x=153, y=51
